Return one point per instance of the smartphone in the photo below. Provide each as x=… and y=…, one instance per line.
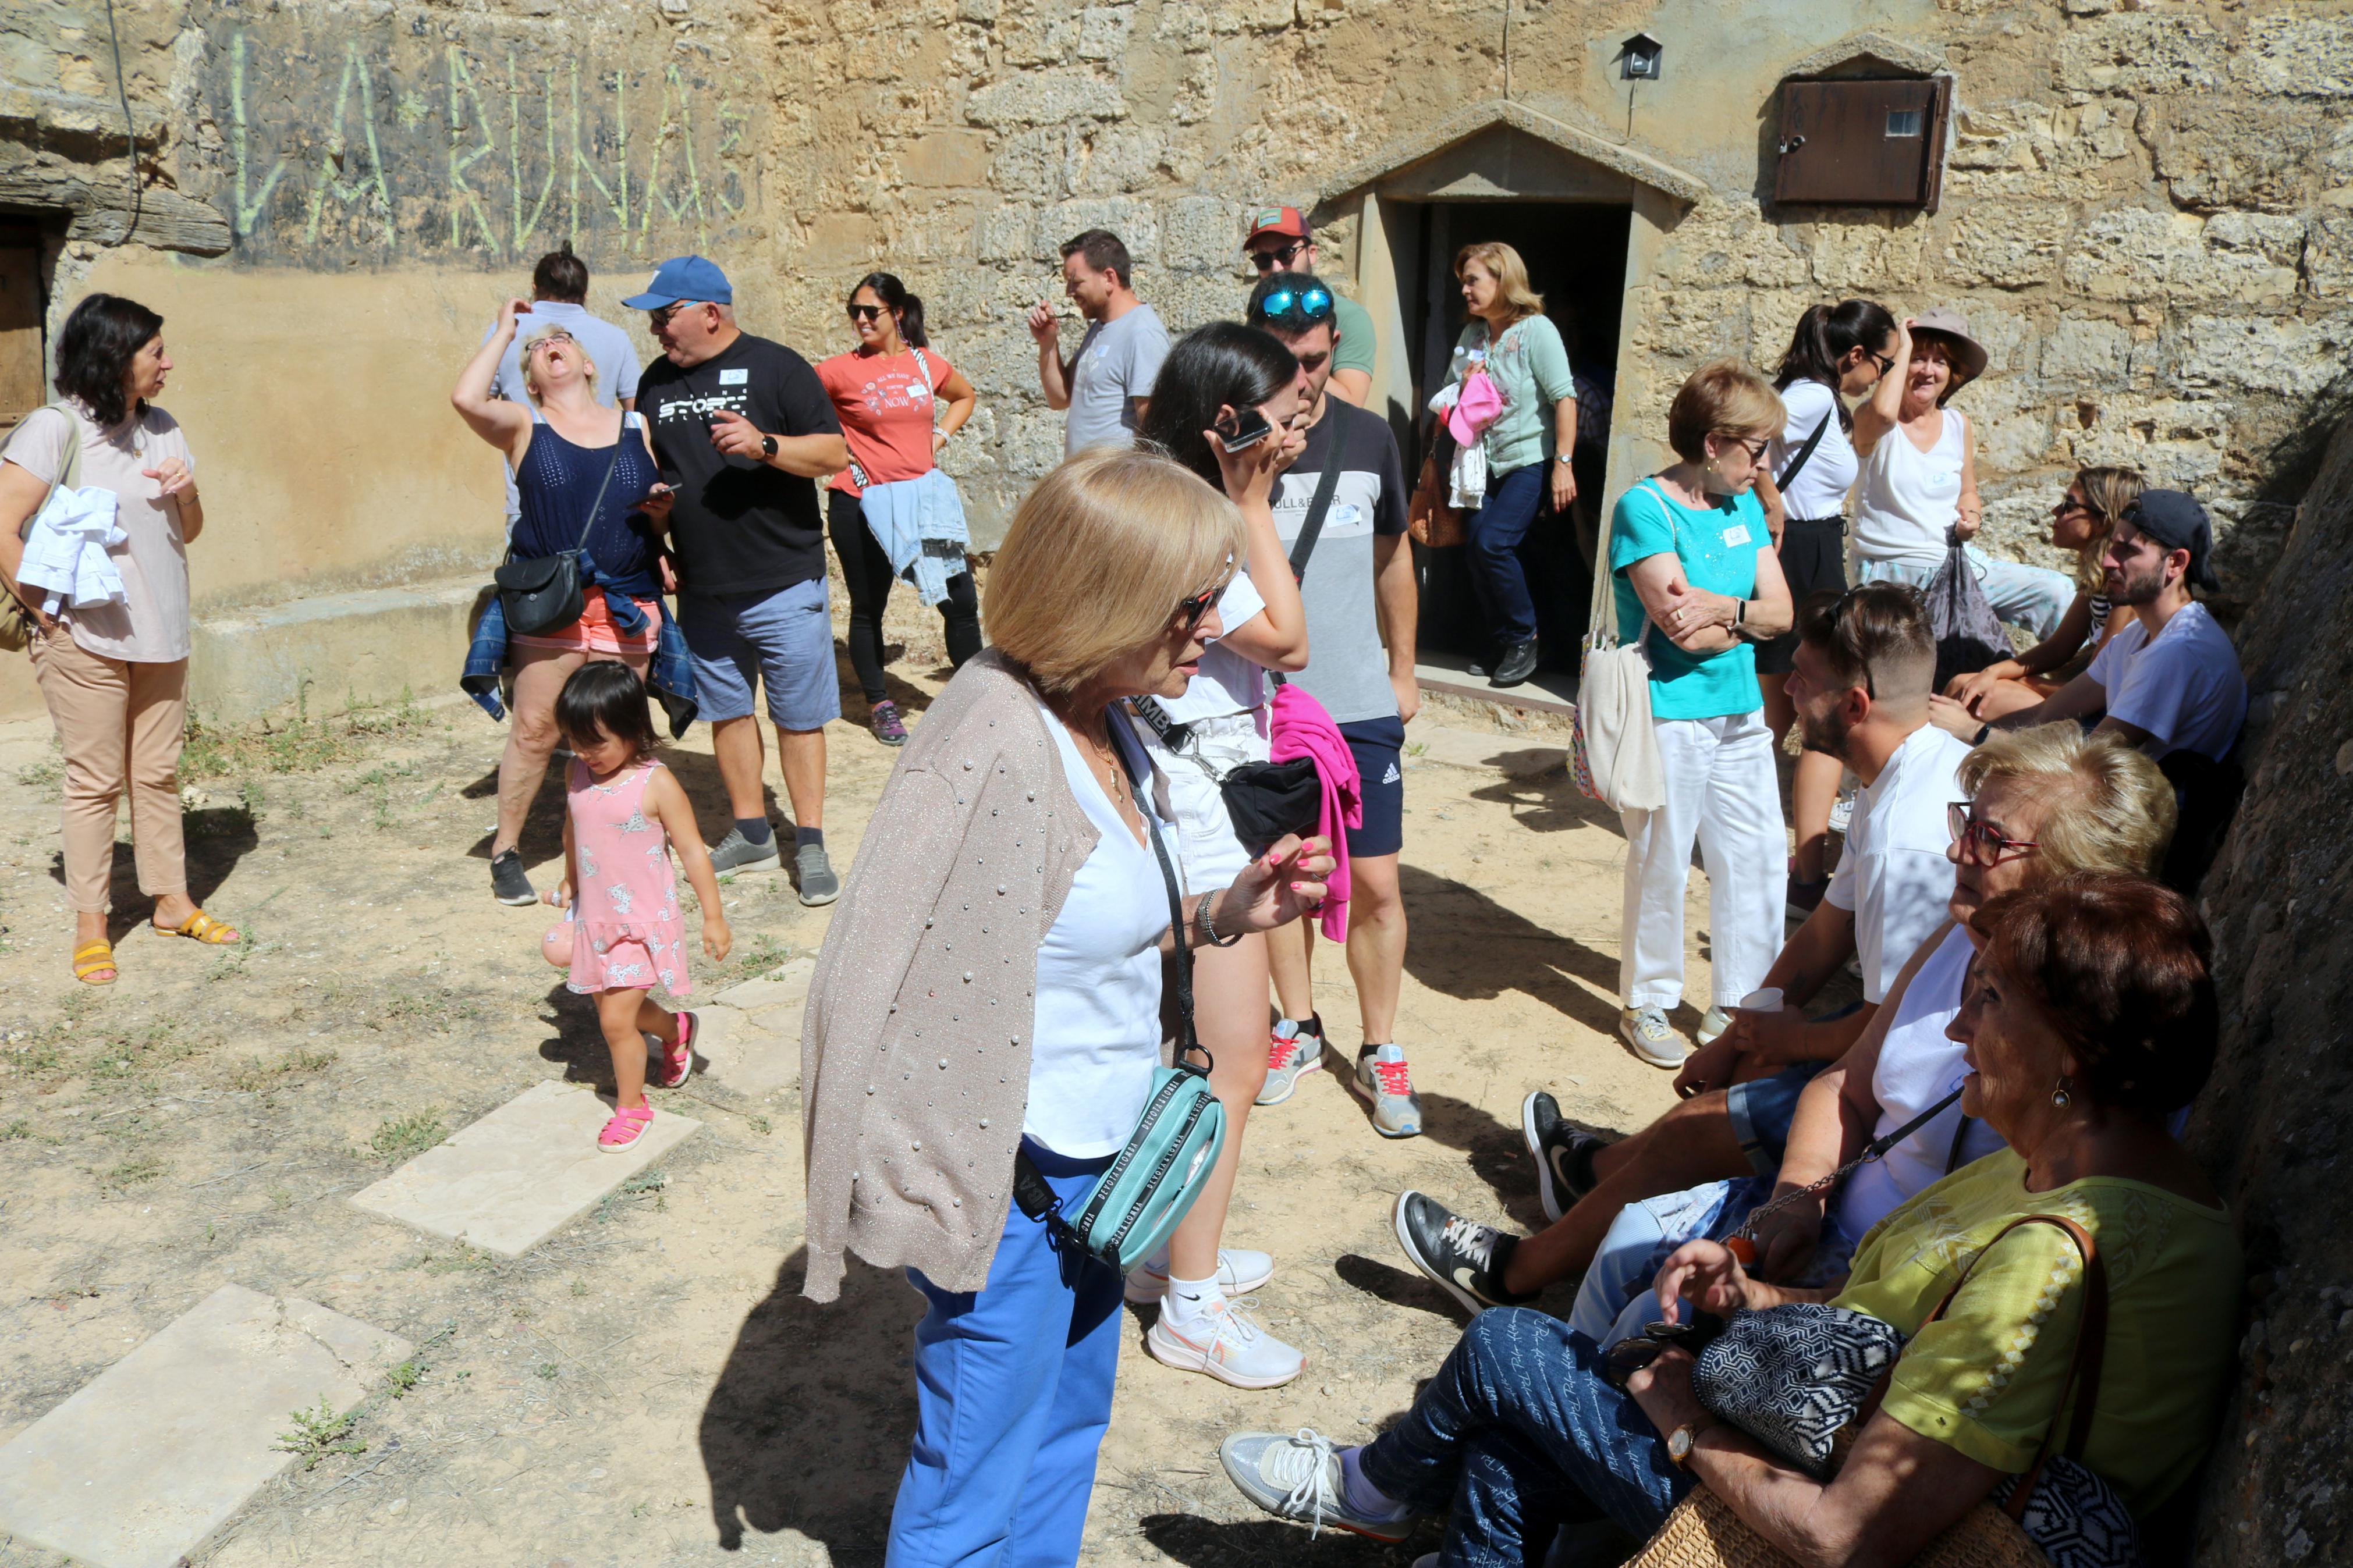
x=1243, y=430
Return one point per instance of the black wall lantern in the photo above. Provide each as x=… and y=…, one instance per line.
x=1639, y=57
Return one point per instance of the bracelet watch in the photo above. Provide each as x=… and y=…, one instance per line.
x=1209, y=937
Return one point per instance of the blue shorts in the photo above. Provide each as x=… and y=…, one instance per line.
x=1761, y=1111
x=784, y=636
x=1379, y=745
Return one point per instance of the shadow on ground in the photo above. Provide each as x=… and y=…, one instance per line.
x=1468, y=946
x=800, y=1378
x=215, y=840
x=1207, y=1544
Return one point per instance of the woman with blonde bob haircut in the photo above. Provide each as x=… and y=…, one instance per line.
x=1695, y=577
x=991, y=984
x=1510, y=339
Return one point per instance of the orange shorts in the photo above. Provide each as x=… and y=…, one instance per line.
x=593, y=632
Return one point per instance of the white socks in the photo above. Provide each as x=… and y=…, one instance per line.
x=1190, y=1301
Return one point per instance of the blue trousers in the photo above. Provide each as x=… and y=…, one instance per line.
x=1498, y=577
x=1013, y=1387
x=1517, y=1436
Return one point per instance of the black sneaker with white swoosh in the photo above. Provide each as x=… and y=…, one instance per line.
x=1463, y=1256
x=1564, y=1154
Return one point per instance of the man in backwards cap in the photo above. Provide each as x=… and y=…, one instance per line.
x=2171, y=680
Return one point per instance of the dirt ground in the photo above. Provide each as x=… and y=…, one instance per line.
x=637, y=1391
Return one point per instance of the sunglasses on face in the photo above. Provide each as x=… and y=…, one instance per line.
x=1755, y=450
x=664, y=316
x=1191, y=611
x=1884, y=362
x=1315, y=304
x=1981, y=840
x=1276, y=255
x=864, y=312
x=2069, y=506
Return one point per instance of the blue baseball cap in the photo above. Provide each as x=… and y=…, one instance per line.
x=683, y=277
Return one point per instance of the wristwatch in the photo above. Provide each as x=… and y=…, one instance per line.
x=768, y=446
x=1680, y=1440
x=1564, y=457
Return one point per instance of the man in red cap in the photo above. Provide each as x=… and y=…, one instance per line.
x=1281, y=241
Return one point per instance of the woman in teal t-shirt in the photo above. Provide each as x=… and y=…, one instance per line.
x=1691, y=555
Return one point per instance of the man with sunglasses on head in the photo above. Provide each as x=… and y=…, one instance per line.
x=1107, y=384
x=559, y=298
x=1356, y=585
x=1280, y=242
x=742, y=427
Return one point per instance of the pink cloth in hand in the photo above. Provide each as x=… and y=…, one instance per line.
x=1302, y=729
x=1476, y=406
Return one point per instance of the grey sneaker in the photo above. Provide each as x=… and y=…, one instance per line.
x=1290, y=1057
x=1297, y=1475
x=1382, y=1078
x=508, y=883
x=814, y=872
x=736, y=855
x=1646, y=1030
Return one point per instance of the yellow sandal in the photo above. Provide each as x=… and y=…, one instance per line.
x=202, y=927
x=93, y=956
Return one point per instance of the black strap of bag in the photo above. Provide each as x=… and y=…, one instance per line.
x=1325, y=484
x=1788, y=476
x=1031, y=1193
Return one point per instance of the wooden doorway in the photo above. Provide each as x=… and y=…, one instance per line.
x=24, y=308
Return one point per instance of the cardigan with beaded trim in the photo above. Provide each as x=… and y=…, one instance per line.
x=916, y=1039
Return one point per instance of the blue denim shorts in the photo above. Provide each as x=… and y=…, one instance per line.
x=783, y=636
x=1761, y=1111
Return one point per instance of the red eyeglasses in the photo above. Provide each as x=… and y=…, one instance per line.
x=1982, y=840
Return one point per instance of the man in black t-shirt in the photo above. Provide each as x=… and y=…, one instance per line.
x=742, y=427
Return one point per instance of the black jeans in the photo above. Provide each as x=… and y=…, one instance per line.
x=866, y=568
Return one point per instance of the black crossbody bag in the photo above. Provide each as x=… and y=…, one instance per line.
x=547, y=593
x=1267, y=800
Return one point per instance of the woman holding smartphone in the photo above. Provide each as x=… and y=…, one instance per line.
x=1225, y=406
x=570, y=457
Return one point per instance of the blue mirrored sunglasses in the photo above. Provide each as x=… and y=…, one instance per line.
x=1313, y=303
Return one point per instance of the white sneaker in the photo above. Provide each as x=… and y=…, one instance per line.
x=1240, y=1271
x=1714, y=1024
x=1646, y=1031
x=1224, y=1344
x=1842, y=812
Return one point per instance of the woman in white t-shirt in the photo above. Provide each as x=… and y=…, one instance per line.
x=1216, y=385
x=1838, y=352
x=1919, y=488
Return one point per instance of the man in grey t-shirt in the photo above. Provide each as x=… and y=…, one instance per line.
x=559, y=288
x=1107, y=382
x=1359, y=596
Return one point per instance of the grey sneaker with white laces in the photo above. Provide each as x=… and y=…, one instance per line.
x=1298, y=1477
x=1653, y=1039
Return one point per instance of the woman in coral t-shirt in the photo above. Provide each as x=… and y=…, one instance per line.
x=884, y=392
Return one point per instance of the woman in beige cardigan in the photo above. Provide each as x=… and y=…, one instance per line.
x=991, y=981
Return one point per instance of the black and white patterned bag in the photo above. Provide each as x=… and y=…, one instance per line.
x=1793, y=1376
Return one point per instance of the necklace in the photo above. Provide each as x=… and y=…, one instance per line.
x=1102, y=761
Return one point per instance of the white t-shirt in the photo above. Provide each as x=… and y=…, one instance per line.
x=1910, y=498
x=1893, y=874
x=2184, y=689
x=1228, y=683
x=1819, y=489
x=1918, y=1066
x=1097, y=1036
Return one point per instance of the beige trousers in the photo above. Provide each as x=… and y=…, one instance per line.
x=120, y=725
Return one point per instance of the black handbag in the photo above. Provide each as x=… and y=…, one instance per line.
x=547, y=593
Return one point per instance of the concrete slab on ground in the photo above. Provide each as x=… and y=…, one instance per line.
x=751, y=1038
x=142, y=1464
x=1547, y=691
x=520, y=1174
x=1513, y=757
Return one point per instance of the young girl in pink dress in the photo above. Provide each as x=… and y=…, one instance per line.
x=625, y=813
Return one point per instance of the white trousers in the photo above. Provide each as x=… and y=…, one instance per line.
x=1721, y=791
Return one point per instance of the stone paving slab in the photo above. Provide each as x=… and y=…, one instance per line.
x=1512, y=758
x=520, y=1174
x=146, y=1460
x=752, y=1037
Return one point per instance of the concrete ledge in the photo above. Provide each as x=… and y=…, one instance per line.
x=1547, y=691
x=367, y=647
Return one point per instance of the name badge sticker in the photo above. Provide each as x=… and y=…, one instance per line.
x=1736, y=534
x=734, y=377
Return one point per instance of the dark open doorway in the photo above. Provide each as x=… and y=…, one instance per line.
x=1576, y=256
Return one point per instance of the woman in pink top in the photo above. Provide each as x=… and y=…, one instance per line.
x=114, y=671
x=885, y=391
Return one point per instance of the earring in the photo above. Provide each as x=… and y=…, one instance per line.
x=2060, y=1096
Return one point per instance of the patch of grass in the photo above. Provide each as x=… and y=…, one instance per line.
x=400, y=1137
x=758, y=1124
x=298, y=745
x=257, y=1077
x=121, y=1057
x=44, y=774
x=20, y=1128
x=462, y=1259
x=129, y=1172
x=319, y=1433
x=548, y=1370
x=755, y=958
x=281, y=1197
x=645, y=1184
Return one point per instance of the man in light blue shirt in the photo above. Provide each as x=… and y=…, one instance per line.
x=559, y=290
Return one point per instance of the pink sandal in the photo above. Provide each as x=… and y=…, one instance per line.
x=677, y=1063
x=629, y=1124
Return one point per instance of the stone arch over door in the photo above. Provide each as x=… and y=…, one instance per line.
x=1494, y=150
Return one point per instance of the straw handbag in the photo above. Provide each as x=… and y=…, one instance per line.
x=1704, y=1533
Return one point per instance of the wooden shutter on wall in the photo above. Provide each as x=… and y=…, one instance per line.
x=1862, y=143
x=21, y=381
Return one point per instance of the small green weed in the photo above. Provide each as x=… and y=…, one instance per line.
x=41, y=775
x=759, y=1124
x=464, y=1260
x=298, y=745
x=754, y=959
x=319, y=1433
x=258, y=1077
x=548, y=1370
x=401, y=1379
x=281, y=1197
x=15, y=1130
x=636, y=1188
x=402, y=1137
x=138, y=1168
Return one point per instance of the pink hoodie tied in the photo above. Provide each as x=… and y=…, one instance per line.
x=1302, y=729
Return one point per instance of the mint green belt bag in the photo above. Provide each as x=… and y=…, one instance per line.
x=1153, y=1180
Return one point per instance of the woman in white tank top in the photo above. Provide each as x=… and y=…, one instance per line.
x=1919, y=491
